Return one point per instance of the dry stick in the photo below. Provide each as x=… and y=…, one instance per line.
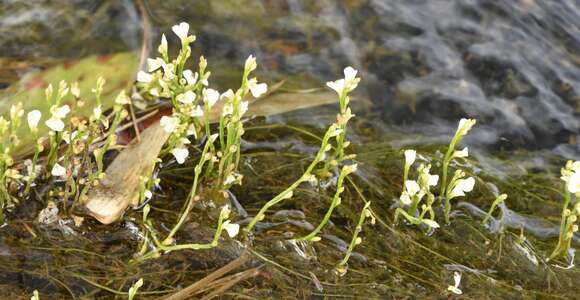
x=190, y=290
x=240, y=276
x=224, y=280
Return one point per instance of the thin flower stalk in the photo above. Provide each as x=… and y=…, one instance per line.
x=336, y=200
x=568, y=226
x=500, y=199
x=463, y=128
x=356, y=240
x=287, y=193
x=192, y=194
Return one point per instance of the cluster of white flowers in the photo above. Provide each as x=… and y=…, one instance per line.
x=191, y=97
x=421, y=187
x=571, y=176
x=58, y=113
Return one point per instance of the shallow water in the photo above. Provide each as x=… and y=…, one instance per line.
x=513, y=65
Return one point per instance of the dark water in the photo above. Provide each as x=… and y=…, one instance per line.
x=512, y=65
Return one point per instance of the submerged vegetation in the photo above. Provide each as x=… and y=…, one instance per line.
x=204, y=133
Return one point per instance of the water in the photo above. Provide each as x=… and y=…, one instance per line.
x=513, y=65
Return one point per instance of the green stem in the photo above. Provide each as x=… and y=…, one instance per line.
x=562, y=237
x=284, y=194
x=190, y=199
x=353, y=241
x=335, y=202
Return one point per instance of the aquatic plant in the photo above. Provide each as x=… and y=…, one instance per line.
x=8, y=140
x=412, y=207
x=336, y=200
x=457, y=186
x=415, y=191
x=500, y=199
x=336, y=130
x=341, y=267
x=568, y=227
x=188, y=93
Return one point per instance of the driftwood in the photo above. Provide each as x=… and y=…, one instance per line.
x=120, y=188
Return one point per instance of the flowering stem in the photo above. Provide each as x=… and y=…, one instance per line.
x=190, y=199
x=335, y=202
x=560, y=247
x=495, y=203
x=32, y=175
x=288, y=192
x=355, y=239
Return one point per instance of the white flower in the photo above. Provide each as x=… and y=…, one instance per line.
x=169, y=124
x=231, y=228
x=181, y=30
x=462, y=153
x=346, y=84
x=55, y=124
x=33, y=118
x=412, y=187
x=337, y=85
x=257, y=89
x=211, y=96
x=348, y=169
x=405, y=199
x=349, y=74
x=180, y=154
x=122, y=98
x=197, y=112
x=243, y=107
x=163, y=46
x=148, y=194
x=74, y=89
x=230, y=179
x=574, y=182
x=410, y=156
x=144, y=77
x=60, y=112
x=225, y=212
x=58, y=170
x=168, y=71
x=576, y=166
x=69, y=137
x=229, y=94
x=190, y=77
x=431, y=223
x=455, y=288
x=97, y=112
x=154, y=64
x=187, y=97
x=154, y=92
x=462, y=186
x=213, y=137
x=465, y=125
x=433, y=179
x=227, y=110
x=250, y=64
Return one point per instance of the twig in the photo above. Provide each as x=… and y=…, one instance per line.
x=190, y=290
x=237, y=278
